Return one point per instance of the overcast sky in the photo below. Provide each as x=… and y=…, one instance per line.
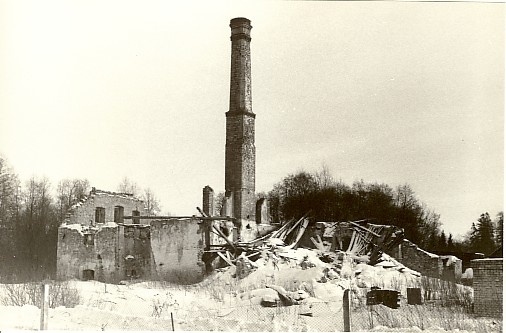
x=389, y=92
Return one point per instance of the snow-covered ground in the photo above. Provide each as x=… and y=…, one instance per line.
x=224, y=303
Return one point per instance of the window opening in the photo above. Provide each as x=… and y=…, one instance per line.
x=89, y=239
x=134, y=219
x=99, y=215
x=118, y=214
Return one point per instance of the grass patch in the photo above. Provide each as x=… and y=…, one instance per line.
x=423, y=316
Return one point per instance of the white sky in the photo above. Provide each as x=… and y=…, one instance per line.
x=392, y=92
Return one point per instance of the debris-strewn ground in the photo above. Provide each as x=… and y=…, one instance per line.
x=311, y=282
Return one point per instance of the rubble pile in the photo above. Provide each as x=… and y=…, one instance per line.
x=282, y=268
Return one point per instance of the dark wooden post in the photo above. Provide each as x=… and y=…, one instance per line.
x=44, y=306
x=346, y=311
x=172, y=321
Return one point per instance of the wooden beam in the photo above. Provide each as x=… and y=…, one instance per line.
x=202, y=212
x=296, y=223
x=365, y=229
x=225, y=238
x=318, y=245
x=252, y=254
x=225, y=259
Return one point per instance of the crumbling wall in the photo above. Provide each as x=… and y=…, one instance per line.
x=177, y=247
x=135, y=251
x=452, y=268
x=208, y=200
x=487, y=285
x=412, y=256
x=263, y=215
x=84, y=212
x=94, y=250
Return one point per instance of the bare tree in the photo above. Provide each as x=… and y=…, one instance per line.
x=128, y=186
x=9, y=194
x=151, y=202
x=36, y=232
x=324, y=177
x=218, y=203
x=70, y=192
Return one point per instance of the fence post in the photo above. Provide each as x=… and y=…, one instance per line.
x=346, y=311
x=172, y=321
x=44, y=306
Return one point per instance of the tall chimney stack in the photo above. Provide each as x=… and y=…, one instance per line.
x=240, y=140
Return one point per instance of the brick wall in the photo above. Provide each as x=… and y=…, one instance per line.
x=208, y=200
x=84, y=212
x=487, y=285
x=240, y=164
x=413, y=257
x=74, y=255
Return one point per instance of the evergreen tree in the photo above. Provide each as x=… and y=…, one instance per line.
x=499, y=229
x=481, y=237
x=450, y=245
x=443, y=245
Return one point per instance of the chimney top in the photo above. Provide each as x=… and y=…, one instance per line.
x=239, y=21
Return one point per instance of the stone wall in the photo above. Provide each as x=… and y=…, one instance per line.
x=177, y=247
x=93, y=249
x=487, y=285
x=135, y=251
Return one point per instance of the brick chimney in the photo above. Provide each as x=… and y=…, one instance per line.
x=240, y=119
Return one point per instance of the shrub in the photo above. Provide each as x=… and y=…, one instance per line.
x=162, y=303
x=60, y=294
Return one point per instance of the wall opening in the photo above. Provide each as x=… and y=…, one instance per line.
x=89, y=239
x=134, y=219
x=118, y=214
x=100, y=215
x=88, y=274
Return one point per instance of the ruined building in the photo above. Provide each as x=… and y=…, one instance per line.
x=108, y=237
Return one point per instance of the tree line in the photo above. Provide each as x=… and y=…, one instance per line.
x=332, y=200
x=30, y=214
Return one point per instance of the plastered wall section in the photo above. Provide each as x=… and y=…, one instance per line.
x=487, y=285
x=74, y=256
x=134, y=248
x=177, y=247
x=85, y=213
